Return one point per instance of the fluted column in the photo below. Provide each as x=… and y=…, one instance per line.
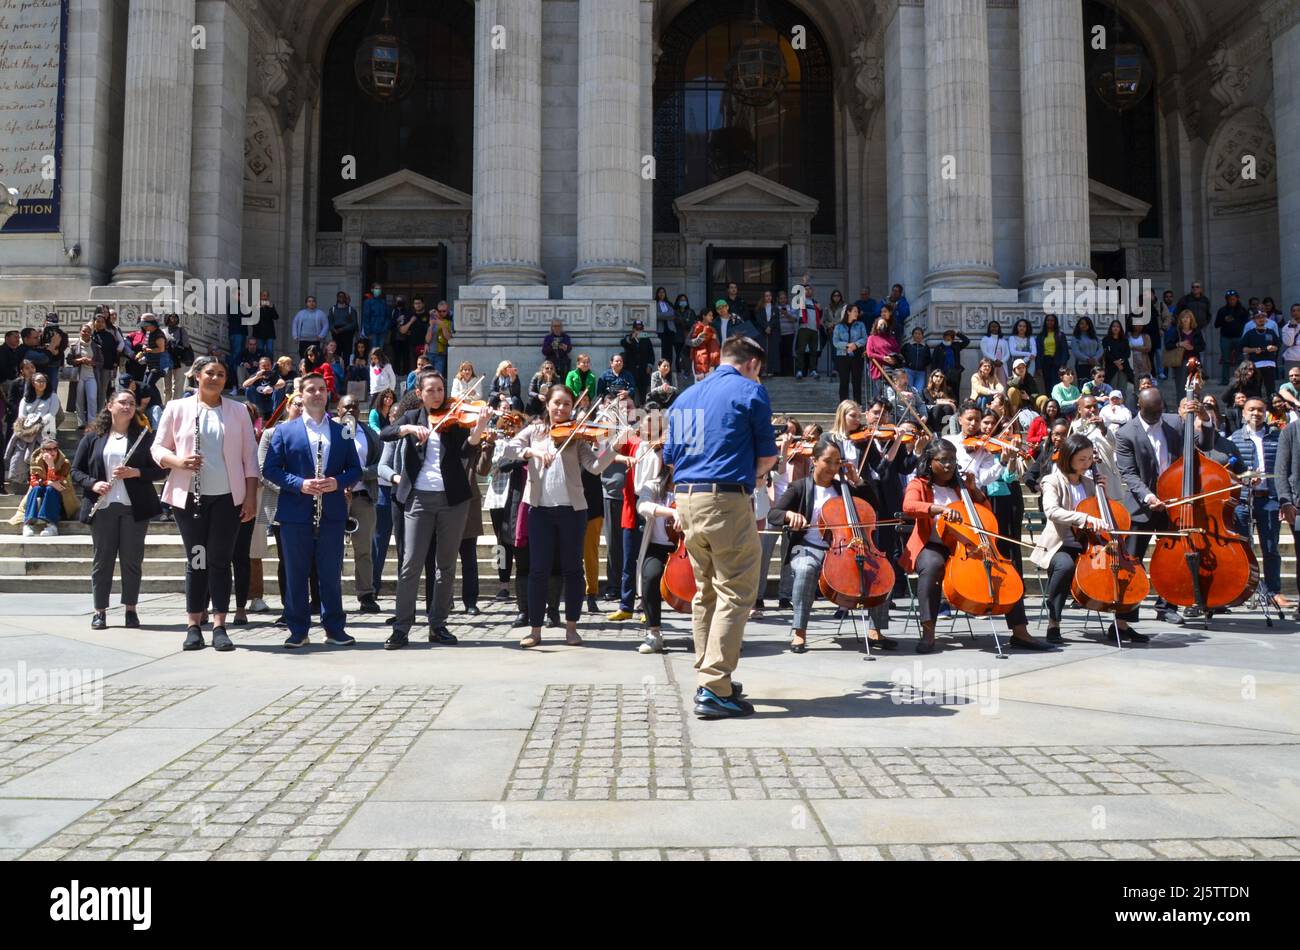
x=609, y=143
x=507, y=224
x=1054, y=136
x=156, y=135
x=958, y=145
x=1283, y=19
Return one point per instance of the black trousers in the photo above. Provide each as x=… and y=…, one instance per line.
x=652, y=572
x=1137, y=546
x=787, y=354
x=849, y=370
x=1060, y=575
x=507, y=544
x=553, y=585
x=468, y=572
x=209, y=537
x=240, y=562
x=555, y=534
x=930, y=564
x=1010, y=512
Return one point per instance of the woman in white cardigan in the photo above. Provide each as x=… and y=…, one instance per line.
x=995, y=348
x=1021, y=345
x=655, y=505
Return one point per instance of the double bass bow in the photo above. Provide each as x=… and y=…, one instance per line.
x=1107, y=578
x=1205, y=564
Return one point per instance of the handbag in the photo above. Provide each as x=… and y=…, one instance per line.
x=1173, y=358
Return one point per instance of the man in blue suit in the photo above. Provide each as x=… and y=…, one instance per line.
x=291, y=464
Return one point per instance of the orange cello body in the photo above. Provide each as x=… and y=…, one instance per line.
x=854, y=572
x=978, y=580
x=677, y=586
x=1213, y=566
x=1106, y=577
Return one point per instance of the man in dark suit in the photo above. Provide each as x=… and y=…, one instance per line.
x=292, y=465
x=435, y=493
x=1144, y=447
x=767, y=317
x=361, y=501
x=1288, y=483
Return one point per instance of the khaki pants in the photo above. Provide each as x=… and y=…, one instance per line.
x=591, y=555
x=722, y=540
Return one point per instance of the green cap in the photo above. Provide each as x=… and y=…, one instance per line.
x=720, y=303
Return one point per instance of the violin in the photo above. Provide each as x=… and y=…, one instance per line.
x=1207, y=565
x=996, y=445
x=564, y=432
x=881, y=434
x=978, y=578
x=854, y=572
x=1107, y=578
x=465, y=415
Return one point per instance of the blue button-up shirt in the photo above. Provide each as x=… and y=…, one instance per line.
x=719, y=428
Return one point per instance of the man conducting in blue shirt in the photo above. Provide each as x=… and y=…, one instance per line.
x=720, y=442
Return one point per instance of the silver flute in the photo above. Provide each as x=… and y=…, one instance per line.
x=126, y=459
x=195, y=486
x=320, y=499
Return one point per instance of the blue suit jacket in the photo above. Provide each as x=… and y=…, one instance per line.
x=291, y=460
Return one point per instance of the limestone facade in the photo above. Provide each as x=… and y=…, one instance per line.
x=208, y=161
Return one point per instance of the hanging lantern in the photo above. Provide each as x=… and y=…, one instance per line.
x=756, y=75
x=384, y=64
x=1121, y=75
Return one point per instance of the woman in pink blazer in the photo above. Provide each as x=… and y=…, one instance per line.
x=212, y=487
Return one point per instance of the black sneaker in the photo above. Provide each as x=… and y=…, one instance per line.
x=193, y=638
x=709, y=705
x=296, y=640
x=471, y=610
x=98, y=622
x=1131, y=635
x=340, y=639
x=784, y=604
x=1028, y=643
x=220, y=641
x=369, y=606
x=396, y=641
x=442, y=635
x=132, y=619
x=521, y=620
x=504, y=594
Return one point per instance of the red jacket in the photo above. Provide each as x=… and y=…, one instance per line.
x=916, y=504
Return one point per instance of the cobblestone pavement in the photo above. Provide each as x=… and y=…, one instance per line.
x=1191, y=751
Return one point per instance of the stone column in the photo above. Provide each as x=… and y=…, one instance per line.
x=958, y=145
x=1054, y=135
x=156, y=136
x=1284, y=23
x=609, y=143
x=507, y=222
x=905, y=149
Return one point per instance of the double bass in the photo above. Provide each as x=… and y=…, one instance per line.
x=1206, y=564
x=1106, y=577
x=978, y=579
x=854, y=572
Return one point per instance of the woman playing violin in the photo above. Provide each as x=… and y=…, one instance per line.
x=934, y=495
x=557, y=509
x=1006, y=498
x=1058, y=550
x=654, y=503
x=798, y=509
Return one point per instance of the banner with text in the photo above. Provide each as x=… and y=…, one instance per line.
x=33, y=44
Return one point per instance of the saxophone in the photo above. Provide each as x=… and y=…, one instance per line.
x=320, y=499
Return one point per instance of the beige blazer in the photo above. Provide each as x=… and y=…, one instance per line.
x=1060, y=513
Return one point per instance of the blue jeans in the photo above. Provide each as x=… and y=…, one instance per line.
x=439, y=362
x=377, y=341
x=383, y=534
x=916, y=379
x=266, y=348
x=232, y=359
x=44, y=503
x=1269, y=525
x=631, y=551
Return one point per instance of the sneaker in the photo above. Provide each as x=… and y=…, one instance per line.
x=220, y=641
x=50, y=531
x=812, y=374
x=340, y=639
x=619, y=615
x=29, y=531
x=98, y=622
x=259, y=606
x=396, y=641
x=709, y=705
x=653, y=643
x=193, y=638
x=1170, y=615
x=799, y=375
x=504, y=594
x=296, y=640
x=369, y=605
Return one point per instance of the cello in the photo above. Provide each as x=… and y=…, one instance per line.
x=677, y=586
x=854, y=572
x=978, y=579
x=1107, y=578
x=1207, y=565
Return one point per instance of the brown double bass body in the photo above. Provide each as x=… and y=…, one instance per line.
x=978, y=579
x=854, y=572
x=1106, y=577
x=1209, y=566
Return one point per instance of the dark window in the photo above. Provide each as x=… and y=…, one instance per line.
x=430, y=131
x=702, y=134
x=1123, y=147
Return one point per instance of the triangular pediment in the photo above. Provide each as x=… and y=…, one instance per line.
x=746, y=192
x=1111, y=202
x=403, y=190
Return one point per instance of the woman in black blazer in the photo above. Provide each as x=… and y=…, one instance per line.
x=106, y=464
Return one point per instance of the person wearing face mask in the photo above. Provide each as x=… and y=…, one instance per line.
x=376, y=319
